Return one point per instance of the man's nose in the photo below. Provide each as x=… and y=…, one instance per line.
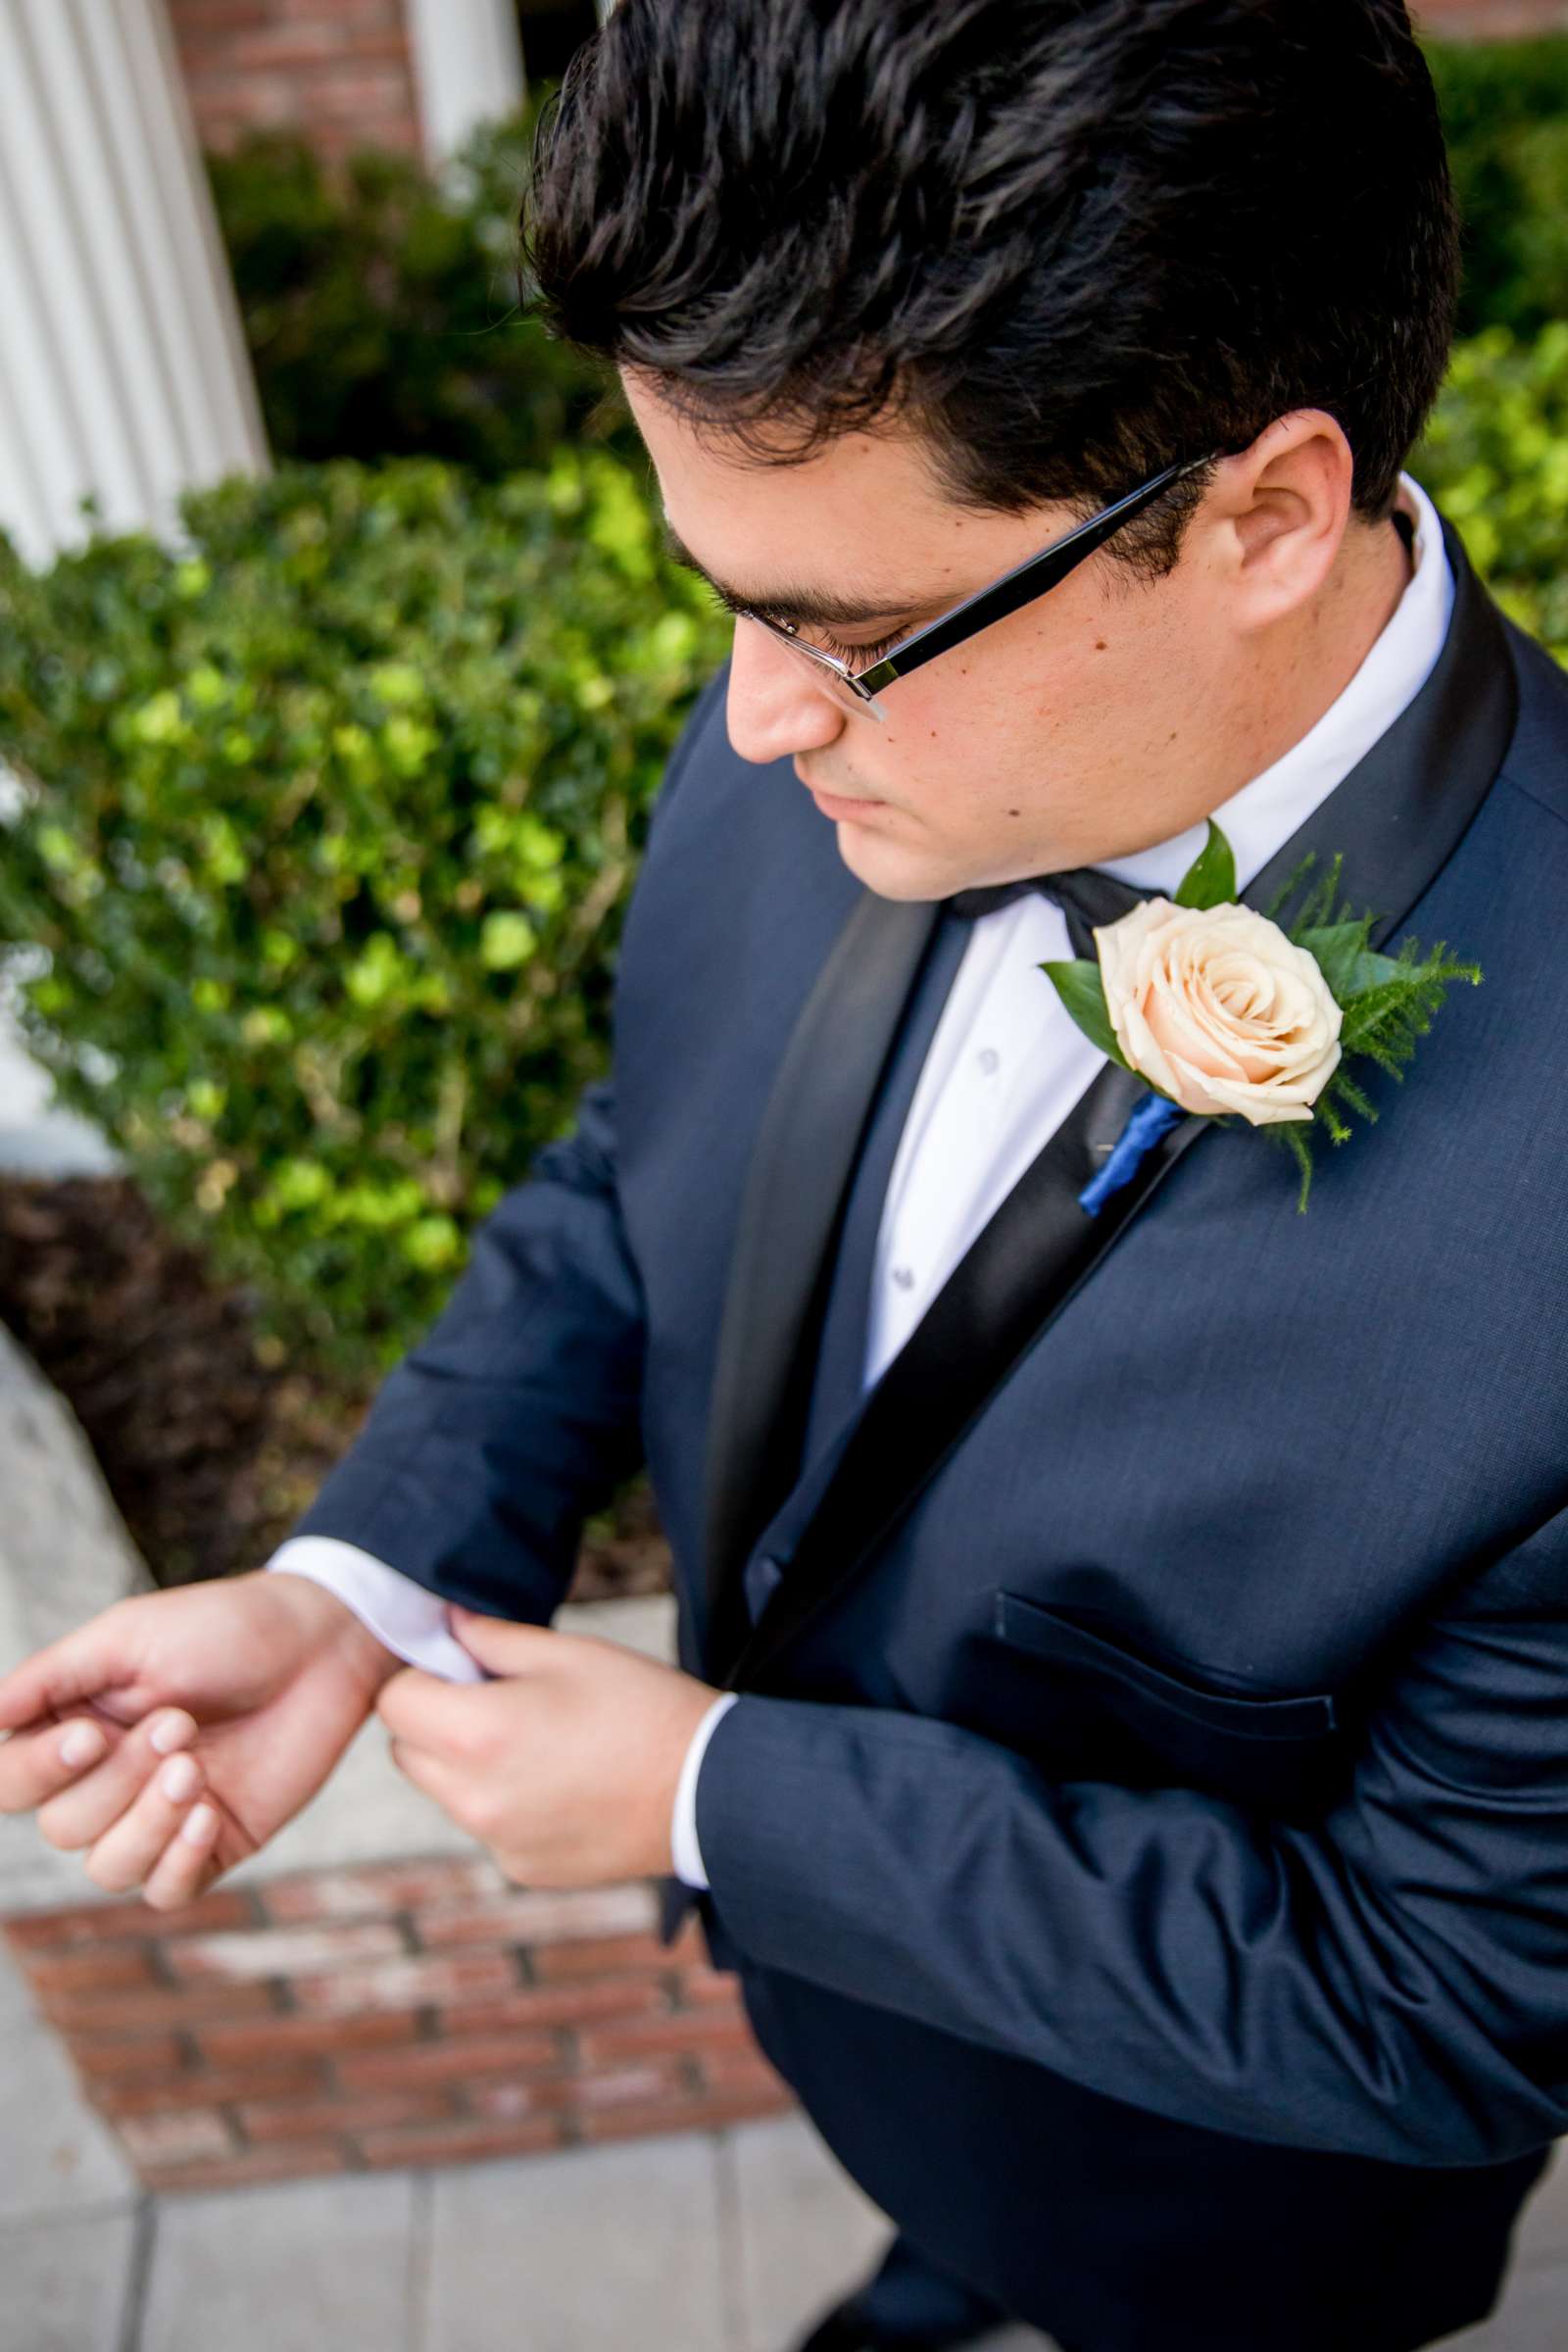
x=774, y=708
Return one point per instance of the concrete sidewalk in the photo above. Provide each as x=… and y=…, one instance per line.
x=723, y=2241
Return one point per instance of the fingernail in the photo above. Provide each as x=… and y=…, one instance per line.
x=81, y=1745
x=172, y=1732
x=178, y=1778
x=200, y=1823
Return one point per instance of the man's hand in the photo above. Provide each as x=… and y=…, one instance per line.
x=565, y=1769
x=262, y=1680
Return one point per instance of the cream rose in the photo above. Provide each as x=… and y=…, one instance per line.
x=1216, y=1008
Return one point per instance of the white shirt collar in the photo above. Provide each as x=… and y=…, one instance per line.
x=1261, y=816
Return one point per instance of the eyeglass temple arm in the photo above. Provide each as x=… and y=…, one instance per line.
x=1029, y=579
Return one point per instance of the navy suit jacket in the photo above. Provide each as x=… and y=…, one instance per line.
x=1142, y=1832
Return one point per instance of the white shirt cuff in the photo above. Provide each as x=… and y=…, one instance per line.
x=407, y=1616
x=685, y=1852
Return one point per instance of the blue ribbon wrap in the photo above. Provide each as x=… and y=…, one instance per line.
x=1146, y=1122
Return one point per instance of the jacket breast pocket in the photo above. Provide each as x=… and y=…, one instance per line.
x=1086, y=1705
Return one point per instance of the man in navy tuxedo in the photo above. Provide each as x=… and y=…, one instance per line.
x=1121, y=1731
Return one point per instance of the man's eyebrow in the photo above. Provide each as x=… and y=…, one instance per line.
x=790, y=602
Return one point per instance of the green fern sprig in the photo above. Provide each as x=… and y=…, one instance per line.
x=1387, y=1003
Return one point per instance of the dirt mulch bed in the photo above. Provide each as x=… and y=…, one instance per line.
x=210, y=1454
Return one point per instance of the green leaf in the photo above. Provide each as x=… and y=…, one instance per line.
x=506, y=939
x=1348, y=965
x=1083, y=992
x=1211, y=879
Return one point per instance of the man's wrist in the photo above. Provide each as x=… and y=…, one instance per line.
x=316, y=1604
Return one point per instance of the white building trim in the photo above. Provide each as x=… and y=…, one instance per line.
x=122, y=370
x=467, y=68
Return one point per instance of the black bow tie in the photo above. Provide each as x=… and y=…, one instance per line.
x=1087, y=897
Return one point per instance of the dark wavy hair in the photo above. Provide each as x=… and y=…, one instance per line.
x=1065, y=241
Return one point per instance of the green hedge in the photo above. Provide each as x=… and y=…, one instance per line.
x=330, y=821
x=1495, y=459
x=381, y=310
x=1506, y=112
x=333, y=815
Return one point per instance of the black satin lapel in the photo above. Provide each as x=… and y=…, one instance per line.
x=796, y=1181
x=1398, y=818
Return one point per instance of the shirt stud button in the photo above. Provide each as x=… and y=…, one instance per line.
x=904, y=1276
x=990, y=1060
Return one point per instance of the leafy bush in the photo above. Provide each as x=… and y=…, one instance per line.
x=326, y=826
x=1505, y=112
x=381, y=309
x=1495, y=459
x=330, y=818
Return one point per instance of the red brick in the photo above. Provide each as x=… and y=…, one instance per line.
x=601, y=1956
x=570, y=2091
x=281, y=48
x=710, y=2111
x=543, y=1915
x=114, y=1969
x=711, y=1987
x=288, y=2162
x=563, y=2004
x=209, y=2086
x=178, y=2136
x=462, y=2140
x=92, y=1922
x=452, y=2058
x=238, y=2044
x=300, y=2119
x=377, y=1888
x=451, y=1977
x=319, y=57
x=365, y=92
x=221, y=15
x=115, y=2055
x=388, y=15
x=1490, y=20
x=173, y=2006
x=741, y=2069
x=689, y=2030
x=284, y=1951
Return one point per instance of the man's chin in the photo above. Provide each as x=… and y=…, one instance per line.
x=892, y=870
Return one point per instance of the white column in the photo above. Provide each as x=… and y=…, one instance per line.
x=124, y=373
x=467, y=68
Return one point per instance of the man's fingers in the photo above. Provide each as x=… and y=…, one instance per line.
x=426, y=1710
x=46, y=1757
x=188, y=1865
x=447, y=1784
x=135, y=1844
x=78, y=1804
x=63, y=1674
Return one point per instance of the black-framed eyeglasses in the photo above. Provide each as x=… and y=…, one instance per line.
x=857, y=689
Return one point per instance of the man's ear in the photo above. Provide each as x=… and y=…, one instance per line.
x=1279, y=512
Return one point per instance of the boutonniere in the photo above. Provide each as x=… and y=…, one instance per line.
x=1227, y=1015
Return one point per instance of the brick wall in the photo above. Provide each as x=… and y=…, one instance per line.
x=1490, y=20
x=410, y=2013
x=338, y=70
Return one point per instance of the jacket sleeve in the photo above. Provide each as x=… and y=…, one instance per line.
x=1390, y=1980
x=519, y=1411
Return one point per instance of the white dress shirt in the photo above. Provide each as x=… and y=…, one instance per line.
x=1006, y=1066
